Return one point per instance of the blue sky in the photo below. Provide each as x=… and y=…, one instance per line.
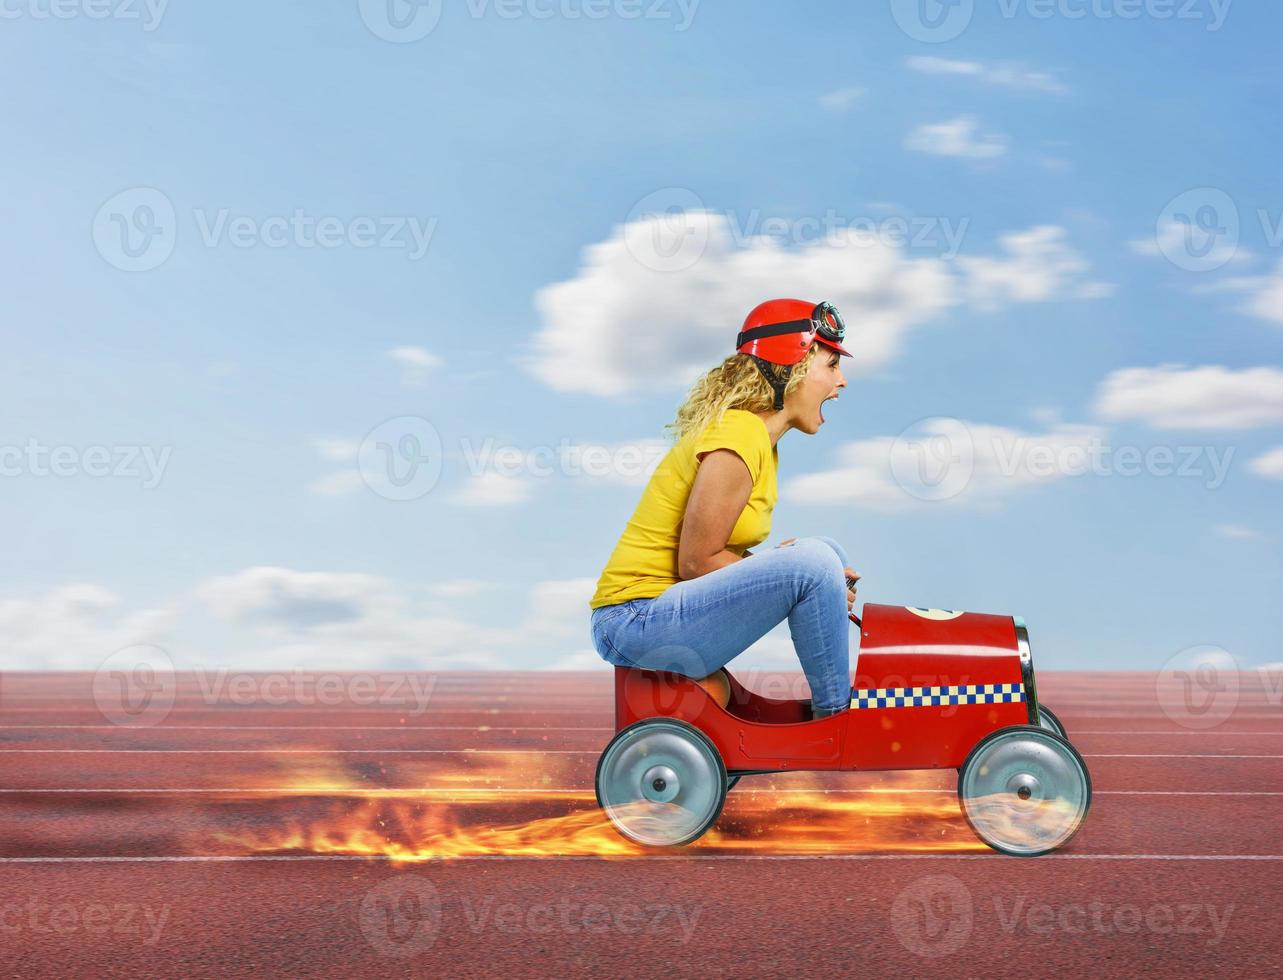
x=1046, y=295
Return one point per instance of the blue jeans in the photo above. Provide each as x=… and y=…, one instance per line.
x=698, y=625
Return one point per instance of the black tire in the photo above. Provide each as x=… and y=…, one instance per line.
x=1050, y=721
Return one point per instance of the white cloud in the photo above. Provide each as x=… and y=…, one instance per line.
x=624, y=323
x=1173, y=396
x=1038, y=265
x=273, y=596
x=462, y=588
x=1264, y=294
x=841, y=100
x=1269, y=464
x=947, y=461
x=958, y=137
x=492, y=490
x=272, y=618
x=1170, y=239
x=416, y=362
x=338, y=484
x=74, y=627
x=1005, y=76
x=1236, y=532
x=336, y=450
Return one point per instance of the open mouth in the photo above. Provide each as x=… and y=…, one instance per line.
x=822, y=406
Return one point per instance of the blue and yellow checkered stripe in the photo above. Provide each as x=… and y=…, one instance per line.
x=916, y=697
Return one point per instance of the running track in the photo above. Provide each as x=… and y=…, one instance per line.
x=232, y=834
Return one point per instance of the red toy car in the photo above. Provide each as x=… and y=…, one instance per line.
x=934, y=689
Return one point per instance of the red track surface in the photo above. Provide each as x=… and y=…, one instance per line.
x=167, y=850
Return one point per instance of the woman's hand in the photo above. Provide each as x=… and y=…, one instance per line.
x=852, y=576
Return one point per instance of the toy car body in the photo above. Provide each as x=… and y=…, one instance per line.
x=934, y=689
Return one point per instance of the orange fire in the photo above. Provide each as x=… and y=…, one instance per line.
x=491, y=810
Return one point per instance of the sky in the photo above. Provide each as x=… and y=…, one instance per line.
x=344, y=334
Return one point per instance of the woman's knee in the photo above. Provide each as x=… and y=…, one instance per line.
x=832, y=543
x=816, y=561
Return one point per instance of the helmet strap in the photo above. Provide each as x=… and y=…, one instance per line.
x=777, y=385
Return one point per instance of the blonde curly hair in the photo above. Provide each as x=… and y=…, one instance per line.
x=735, y=383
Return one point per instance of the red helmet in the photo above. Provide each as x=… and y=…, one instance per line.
x=781, y=331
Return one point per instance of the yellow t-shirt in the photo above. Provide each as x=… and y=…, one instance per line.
x=644, y=562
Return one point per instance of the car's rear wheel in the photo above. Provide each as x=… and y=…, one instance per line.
x=1049, y=721
x=661, y=782
x=1024, y=790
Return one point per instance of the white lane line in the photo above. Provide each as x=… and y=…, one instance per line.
x=313, y=728
x=321, y=751
x=1207, y=733
x=694, y=856
x=488, y=728
x=1119, y=755
x=586, y=793
x=541, y=751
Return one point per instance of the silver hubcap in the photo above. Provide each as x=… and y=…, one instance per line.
x=1024, y=792
x=660, y=785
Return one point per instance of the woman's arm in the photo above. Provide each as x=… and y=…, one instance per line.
x=717, y=498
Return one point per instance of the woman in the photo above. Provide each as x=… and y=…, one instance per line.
x=681, y=591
